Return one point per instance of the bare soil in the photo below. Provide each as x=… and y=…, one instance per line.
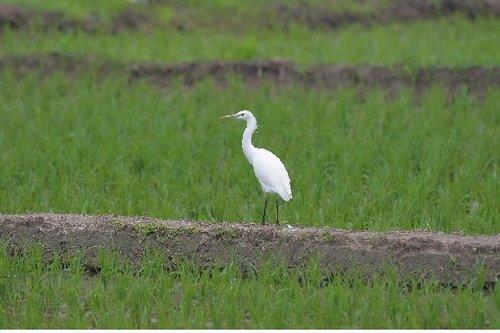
x=475, y=79
x=450, y=258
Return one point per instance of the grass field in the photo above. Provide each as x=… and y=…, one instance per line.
x=99, y=147
x=365, y=160
x=453, y=42
x=36, y=295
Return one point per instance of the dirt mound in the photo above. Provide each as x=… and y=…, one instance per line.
x=283, y=14
x=277, y=71
x=280, y=15
x=132, y=20
x=12, y=16
x=424, y=9
x=315, y=16
x=450, y=258
x=476, y=79
x=46, y=64
x=16, y=17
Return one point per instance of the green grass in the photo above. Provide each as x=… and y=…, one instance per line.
x=36, y=295
x=453, y=42
x=104, y=146
x=88, y=144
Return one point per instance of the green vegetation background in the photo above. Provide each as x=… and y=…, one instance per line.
x=358, y=159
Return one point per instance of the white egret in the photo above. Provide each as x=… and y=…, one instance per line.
x=268, y=168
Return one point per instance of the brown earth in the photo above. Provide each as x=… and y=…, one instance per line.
x=476, y=79
x=280, y=15
x=451, y=258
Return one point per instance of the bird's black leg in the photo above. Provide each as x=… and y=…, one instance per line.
x=277, y=213
x=265, y=207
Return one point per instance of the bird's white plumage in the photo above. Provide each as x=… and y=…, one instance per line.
x=268, y=168
x=271, y=174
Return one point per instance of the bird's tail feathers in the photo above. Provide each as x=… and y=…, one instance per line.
x=288, y=195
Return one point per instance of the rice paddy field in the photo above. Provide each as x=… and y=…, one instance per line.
x=99, y=114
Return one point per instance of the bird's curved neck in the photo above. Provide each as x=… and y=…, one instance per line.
x=248, y=147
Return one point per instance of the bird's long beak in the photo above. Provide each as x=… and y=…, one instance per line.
x=227, y=116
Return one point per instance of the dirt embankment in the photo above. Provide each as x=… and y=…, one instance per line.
x=450, y=258
x=17, y=17
x=283, y=14
x=396, y=11
x=273, y=15
x=476, y=79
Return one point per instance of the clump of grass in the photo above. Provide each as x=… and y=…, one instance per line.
x=231, y=233
x=119, y=224
x=327, y=236
x=147, y=228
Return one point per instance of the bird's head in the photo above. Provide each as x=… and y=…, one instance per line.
x=242, y=115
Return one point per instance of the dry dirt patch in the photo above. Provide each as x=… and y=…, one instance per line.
x=451, y=258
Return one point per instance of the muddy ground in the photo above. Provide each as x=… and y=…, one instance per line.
x=475, y=79
x=272, y=15
x=451, y=258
